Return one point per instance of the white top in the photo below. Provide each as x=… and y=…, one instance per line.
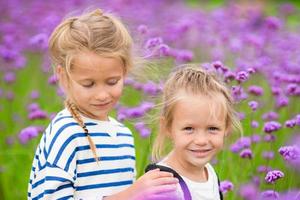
x=208, y=190
x=64, y=166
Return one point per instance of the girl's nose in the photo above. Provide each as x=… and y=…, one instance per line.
x=200, y=139
x=102, y=95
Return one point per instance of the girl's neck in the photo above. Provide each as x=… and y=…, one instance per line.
x=194, y=173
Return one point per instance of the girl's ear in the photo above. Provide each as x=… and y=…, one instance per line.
x=163, y=127
x=60, y=72
x=228, y=131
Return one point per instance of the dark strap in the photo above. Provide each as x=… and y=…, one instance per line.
x=221, y=194
x=184, y=187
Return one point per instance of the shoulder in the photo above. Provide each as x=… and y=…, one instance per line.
x=120, y=127
x=211, y=172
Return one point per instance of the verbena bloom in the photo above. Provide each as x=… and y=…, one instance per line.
x=254, y=124
x=34, y=94
x=32, y=107
x=151, y=88
x=253, y=105
x=143, y=130
x=142, y=29
x=37, y=114
x=282, y=101
x=248, y=192
x=263, y=169
x=290, y=152
x=271, y=126
x=9, y=77
x=297, y=118
x=28, y=133
x=256, y=90
x=52, y=80
x=273, y=176
x=268, y=155
x=246, y=153
x=226, y=186
x=290, y=123
x=241, y=143
x=270, y=116
x=269, y=195
x=242, y=76
x=269, y=137
x=255, y=138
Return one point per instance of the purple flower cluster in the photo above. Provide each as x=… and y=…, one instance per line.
x=272, y=126
x=290, y=153
x=142, y=129
x=134, y=112
x=273, y=176
x=28, y=133
x=226, y=186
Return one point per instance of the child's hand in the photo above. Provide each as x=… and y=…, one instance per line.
x=155, y=185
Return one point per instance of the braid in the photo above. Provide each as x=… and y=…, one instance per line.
x=75, y=114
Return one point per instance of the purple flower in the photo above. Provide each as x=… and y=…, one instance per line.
x=271, y=126
x=34, y=94
x=254, y=124
x=53, y=80
x=256, y=90
x=242, y=76
x=269, y=195
x=276, y=90
x=33, y=107
x=290, y=123
x=255, y=138
x=153, y=42
x=273, y=23
x=282, y=101
x=268, y=155
x=263, y=169
x=142, y=29
x=28, y=133
x=39, y=41
x=246, y=153
x=142, y=129
x=290, y=152
x=270, y=116
x=184, y=55
x=273, y=176
x=253, y=105
x=37, y=114
x=151, y=88
x=226, y=186
x=164, y=50
x=269, y=137
x=248, y=192
x=9, y=77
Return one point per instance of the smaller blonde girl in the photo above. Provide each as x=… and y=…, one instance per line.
x=197, y=114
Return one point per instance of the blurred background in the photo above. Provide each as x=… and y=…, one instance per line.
x=254, y=45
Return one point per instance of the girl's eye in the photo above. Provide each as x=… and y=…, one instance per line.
x=213, y=128
x=188, y=129
x=88, y=85
x=112, y=81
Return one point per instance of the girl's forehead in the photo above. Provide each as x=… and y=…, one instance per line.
x=213, y=104
x=91, y=61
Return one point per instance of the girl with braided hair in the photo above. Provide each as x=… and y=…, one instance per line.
x=84, y=153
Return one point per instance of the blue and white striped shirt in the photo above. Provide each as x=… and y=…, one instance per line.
x=64, y=166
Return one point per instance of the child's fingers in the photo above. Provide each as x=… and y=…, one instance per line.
x=156, y=173
x=165, y=181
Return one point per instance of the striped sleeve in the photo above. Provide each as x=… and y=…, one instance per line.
x=55, y=164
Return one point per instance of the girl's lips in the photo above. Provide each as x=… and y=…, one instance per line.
x=201, y=152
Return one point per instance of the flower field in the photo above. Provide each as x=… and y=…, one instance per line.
x=253, y=45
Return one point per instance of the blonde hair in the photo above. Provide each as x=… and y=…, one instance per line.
x=97, y=32
x=191, y=78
